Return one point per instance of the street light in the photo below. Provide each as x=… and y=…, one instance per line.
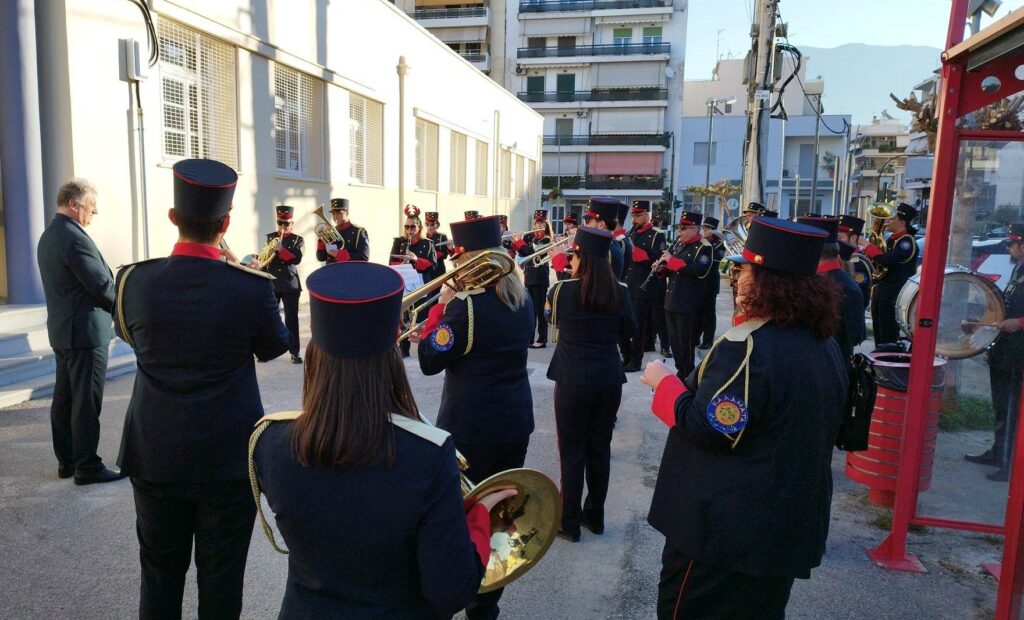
x=712, y=104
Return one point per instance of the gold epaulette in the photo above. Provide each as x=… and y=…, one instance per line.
x=250, y=270
x=434, y=435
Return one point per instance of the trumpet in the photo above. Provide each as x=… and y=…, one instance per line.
x=544, y=255
x=325, y=230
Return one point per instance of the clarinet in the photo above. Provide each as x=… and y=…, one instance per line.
x=655, y=266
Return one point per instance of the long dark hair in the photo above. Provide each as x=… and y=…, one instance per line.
x=599, y=289
x=793, y=300
x=346, y=407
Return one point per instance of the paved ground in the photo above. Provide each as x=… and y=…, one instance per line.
x=71, y=552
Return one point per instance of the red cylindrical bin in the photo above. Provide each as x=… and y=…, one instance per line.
x=878, y=466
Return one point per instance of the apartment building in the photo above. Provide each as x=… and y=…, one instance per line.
x=605, y=74
x=879, y=163
x=300, y=97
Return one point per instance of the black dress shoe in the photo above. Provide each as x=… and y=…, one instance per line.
x=296, y=359
x=631, y=368
x=571, y=537
x=98, y=477
x=999, y=475
x=65, y=471
x=596, y=527
x=988, y=457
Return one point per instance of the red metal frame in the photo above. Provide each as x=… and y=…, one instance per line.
x=961, y=94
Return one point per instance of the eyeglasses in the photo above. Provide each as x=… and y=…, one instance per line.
x=410, y=227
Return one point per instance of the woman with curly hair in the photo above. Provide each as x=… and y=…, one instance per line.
x=745, y=486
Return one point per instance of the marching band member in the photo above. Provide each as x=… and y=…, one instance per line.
x=648, y=244
x=750, y=440
x=687, y=266
x=479, y=338
x=560, y=263
x=589, y=313
x=366, y=496
x=850, y=230
x=471, y=215
x=709, y=228
x=287, y=286
x=603, y=213
x=419, y=252
x=195, y=323
x=850, y=330
x=357, y=244
x=621, y=239
x=537, y=278
x=753, y=209
x=900, y=258
x=442, y=248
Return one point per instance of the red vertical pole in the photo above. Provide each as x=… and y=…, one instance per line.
x=1011, y=577
x=892, y=553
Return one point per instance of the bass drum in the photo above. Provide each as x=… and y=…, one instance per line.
x=969, y=314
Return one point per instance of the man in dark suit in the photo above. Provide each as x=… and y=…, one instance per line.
x=195, y=323
x=283, y=266
x=79, y=289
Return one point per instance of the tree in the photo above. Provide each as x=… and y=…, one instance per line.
x=719, y=190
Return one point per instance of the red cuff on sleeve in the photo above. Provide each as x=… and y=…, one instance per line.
x=619, y=234
x=421, y=264
x=440, y=255
x=640, y=255
x=434, y=316
x=320, y=245
x=285, y=254
x=342, y=256
x=478, y=520
x=675, y=264
x=518, y=244
x=664, y=404
x=560, y=262
x=872, y=251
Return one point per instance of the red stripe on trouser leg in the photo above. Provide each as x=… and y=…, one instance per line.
x=682, y=589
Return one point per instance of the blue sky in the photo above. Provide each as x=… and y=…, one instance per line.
x=818, y=23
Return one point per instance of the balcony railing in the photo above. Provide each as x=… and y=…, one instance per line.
x=598, y=182
x=623, y=94
x=624, y=139
x=465, y=11
x=552, y=6
x=474, y=56
x=626, y=49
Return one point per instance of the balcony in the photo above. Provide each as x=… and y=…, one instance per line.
x=480, y=60
x=558, y=6
x=593, y=182
x=451, y=17
x=625, y=139
x=618, y=94
x=627, y=49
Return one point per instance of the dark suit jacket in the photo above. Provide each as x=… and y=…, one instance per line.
x=195, y=324
x=78, y=285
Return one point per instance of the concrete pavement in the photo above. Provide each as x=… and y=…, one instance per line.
x=71, y=552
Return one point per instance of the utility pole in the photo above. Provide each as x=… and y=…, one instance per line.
x=817, y=139
x=759, y=88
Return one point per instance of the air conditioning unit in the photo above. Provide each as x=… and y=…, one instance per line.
x=520, y=70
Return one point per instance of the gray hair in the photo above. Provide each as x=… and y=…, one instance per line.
x=74, y=189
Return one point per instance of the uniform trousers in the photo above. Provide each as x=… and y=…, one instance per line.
x=883, y=318
x=645, y=310
x=75, y=411
x=219, y=516
x=291, y=318
x=710, y=316
x=585, y=420
x=539, y=296
x=485, y=461
x=660, y=323
x=683, y=334
x=1006, y=386
x=690, y=590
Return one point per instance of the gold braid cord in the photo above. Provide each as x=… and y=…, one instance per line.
x=469, y=325
x=254, y=483
x=554, y=313
x=120, y=306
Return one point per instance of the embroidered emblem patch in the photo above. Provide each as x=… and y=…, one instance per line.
x=443, y=338
x=859, y=278
x=703, y=260
x=727, y=414
x=906, y=244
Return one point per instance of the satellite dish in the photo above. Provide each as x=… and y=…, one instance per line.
x=670, y=72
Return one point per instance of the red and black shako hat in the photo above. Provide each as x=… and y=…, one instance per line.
x=285, y=213
x=623, y=211
x=711, y=222
x=829, y=224
x=754, y=207
x=851, y=224
x=571, y=218
x=592, y=241
x=1015, y=232
x=604, y=208
x=906, y=212
x=430, y=217
x=690, y=218
x=782, y=245
x=339, y=204
x=355, y=308
x=203, y=188
x=471, y=215
x=503, y=219
x=641, y=206
x=540, y=215
x=480, y=233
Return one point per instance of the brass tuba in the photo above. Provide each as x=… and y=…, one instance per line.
x=325, y=230
x=734, y=236
x=880, y=212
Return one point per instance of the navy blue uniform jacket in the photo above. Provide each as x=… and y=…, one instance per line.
x=486, y=398
x=357, y=245
x=195, y=324
x=652, y=241
x=1008, y=350
x=691, y=264
x=851, y=330
x=761, y=508
x=283, y=265
x=587, y=352
x=371, y=542
x=900, y=258
x=533, y=275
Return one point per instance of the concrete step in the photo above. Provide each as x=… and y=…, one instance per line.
x=21, y=342
x=42, y=386
x=14, y=319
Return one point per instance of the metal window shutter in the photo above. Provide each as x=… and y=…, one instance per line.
x=366, y=139
x=481, y=168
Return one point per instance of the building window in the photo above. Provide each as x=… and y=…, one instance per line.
x=426, y=155
x=197, y=90
x=567, y=43
x=622, y=36
x=652, y=35
x=458, y=163
x=298, y=123
x=531, y=178
x=563, y=127
x=520, y=172
x=366, y=140
x=700, y=153
x=535, y=84
x=536, y=42
x=481, y=168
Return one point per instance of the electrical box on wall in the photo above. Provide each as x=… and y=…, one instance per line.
x=130, y=60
